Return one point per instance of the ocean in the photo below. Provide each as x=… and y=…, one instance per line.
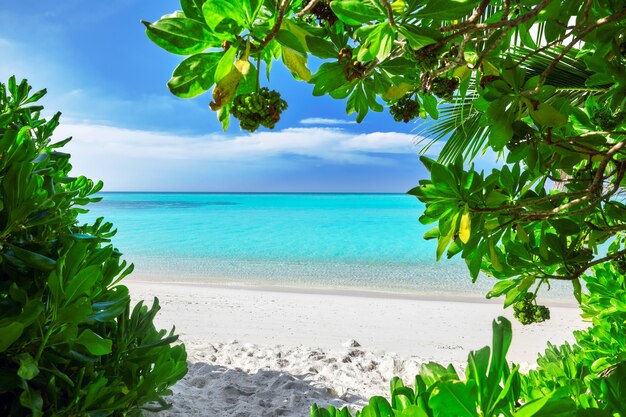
x=348, y=241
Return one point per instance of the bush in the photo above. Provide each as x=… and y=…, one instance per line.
x=70, y=343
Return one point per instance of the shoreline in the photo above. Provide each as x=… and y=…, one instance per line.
x=297, y=288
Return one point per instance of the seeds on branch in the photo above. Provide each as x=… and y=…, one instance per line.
x=262, y=108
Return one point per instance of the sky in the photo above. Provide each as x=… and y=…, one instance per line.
x=109, y=81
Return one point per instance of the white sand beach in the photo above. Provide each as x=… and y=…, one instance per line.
x=259, y=351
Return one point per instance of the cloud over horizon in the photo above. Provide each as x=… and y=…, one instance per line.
x=127, y=158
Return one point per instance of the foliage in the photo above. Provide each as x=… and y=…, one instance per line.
x=539, y=83
x=70, y=344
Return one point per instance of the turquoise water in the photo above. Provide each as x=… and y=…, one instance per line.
x=370, y=241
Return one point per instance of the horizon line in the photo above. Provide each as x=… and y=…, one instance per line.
x=251, y=192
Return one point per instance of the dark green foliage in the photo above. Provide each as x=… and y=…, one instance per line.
x=259, y=108
x=70, y=344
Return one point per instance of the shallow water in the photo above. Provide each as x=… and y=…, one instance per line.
x=370, y=241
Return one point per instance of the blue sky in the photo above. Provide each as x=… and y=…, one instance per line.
x=109, y=80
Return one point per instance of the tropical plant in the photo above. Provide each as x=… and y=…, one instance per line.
x=70, y=343
x=540, y=83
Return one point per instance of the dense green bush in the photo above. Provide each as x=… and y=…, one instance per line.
x=70, y=343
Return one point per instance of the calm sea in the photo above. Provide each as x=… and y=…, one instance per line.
x=367, y=241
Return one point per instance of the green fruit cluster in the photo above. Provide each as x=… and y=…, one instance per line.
x=444, y=88
x=426, y=58
x=608, y=120
x=405, y=109
x=261, y=108
x=527, y=311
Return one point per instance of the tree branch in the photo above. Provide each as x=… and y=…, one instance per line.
x=279, y=21
x=309, y=7
x=392, y=21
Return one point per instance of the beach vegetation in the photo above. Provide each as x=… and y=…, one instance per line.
x=71, y=343
x=539, y=84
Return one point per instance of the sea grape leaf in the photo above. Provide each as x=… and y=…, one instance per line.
x=194, y=75
x=94, y=343
x=377, y=43
x=296, y=62
x=355, y=12
x=181, y=35
x=545, y=115
x=446, y=9
x=216, y=11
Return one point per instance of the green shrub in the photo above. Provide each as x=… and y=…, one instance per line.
x=70, y=343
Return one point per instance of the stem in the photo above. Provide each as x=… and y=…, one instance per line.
x=258, y=72
x=307, y=9
x=279, y=21
x=392, y=21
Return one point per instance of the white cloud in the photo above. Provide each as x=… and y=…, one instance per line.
x=129, y=159
x=315, y=142
x=326, y=122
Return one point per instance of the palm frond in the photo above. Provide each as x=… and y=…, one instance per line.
x=458, y=123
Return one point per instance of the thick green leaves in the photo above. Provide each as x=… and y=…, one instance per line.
x=181, y=35
x=356, y=12
x=377, y=41
x=446, y=9
x=194, y=75
x=217, y=11
x=60, y=309
x=10, y=333
x=94, y=343
x=28, y=367
x=453, y=399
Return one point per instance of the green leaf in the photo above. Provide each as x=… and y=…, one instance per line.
x=545, y=115
x=216, y=11
x=377, y=41
x=419, y=37
x=32, y=400
x=82, y=282
x=288, y=39
x=226, y=65
x=329, y=77
x=355, y=12
x=321, y=48
x=180, y=35
x=10, y=333
x=502, y=336
x=94, y=344
x=28, y=367
x=194, y=75
x=453, y=399
x=446, y=9
x=533, y=407
x=33, y=259
x=430, y=105
x=296, y=62
x=412, y=411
